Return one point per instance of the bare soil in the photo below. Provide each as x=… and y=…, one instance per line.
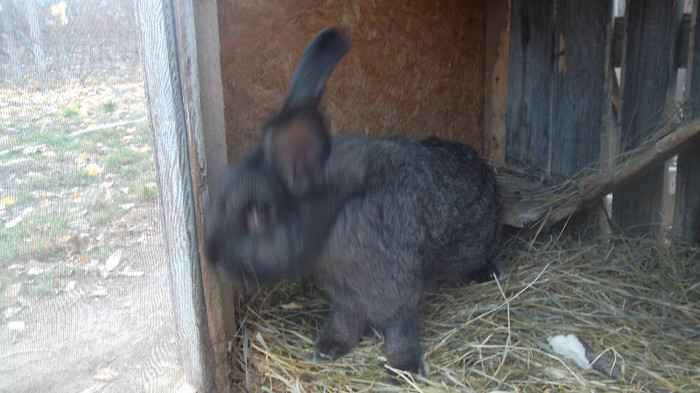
x=111, y=334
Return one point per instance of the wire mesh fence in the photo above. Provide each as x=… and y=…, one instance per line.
x=85, y=300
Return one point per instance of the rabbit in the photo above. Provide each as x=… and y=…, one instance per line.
x=374, y=221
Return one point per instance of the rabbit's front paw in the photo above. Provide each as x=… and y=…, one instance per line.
x=342, y=332
x=402, y=342
x=331, y=348
x=486, y=273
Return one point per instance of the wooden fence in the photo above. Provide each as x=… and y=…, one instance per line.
x=568, y=108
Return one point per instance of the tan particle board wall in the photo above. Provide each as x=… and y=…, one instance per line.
x=415, y=67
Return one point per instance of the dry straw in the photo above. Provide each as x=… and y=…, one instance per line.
x=634, y=303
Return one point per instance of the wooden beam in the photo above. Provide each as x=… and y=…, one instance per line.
x=670, y=140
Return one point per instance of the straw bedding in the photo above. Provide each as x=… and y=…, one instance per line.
x=634, y=303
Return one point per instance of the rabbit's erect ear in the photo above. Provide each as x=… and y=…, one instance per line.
x=314, y=68
x=297, y=145
x=295, y=141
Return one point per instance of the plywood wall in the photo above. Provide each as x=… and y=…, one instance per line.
x=415, y=68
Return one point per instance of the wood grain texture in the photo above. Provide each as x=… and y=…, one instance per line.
x=619, y=38
x=415, y=68
x=528, y=126
x=496, y=79
x=213, y=132
x=648, y=83
x=581, y=86
x=199, y=70
x=171, y=147
x=686, y=217
x=686, y=220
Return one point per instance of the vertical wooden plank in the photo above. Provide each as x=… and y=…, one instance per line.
x=692, y=85
x=496, y=79
x=582, y=85
x=648, y=85
x=202, y=93
x=170, y=139
x=529, y=82
x=686, y=217
x=214, y=133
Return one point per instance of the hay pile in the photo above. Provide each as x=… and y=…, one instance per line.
x=634, y=302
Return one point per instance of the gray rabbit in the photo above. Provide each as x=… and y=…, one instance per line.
x=374, y=221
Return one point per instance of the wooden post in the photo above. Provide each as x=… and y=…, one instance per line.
x=200, y=73
x=173, y=90
x=686, y=217
x=496, y=79
x=649, y=70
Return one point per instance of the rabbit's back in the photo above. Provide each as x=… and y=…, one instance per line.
x=423, y=213
x=464, y=222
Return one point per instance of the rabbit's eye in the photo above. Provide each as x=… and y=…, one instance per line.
x=259, y=215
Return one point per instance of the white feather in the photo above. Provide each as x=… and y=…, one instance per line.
x=570, y=348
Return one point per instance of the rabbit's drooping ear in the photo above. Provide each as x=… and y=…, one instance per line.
x=296, y=141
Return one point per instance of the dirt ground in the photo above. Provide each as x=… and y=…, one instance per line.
x=113, y=334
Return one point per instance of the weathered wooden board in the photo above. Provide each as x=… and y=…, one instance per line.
x=686, y=218
x=619, y=38
x=496, y=79
x=692, y=86
x=686, y=221
x=198, y=56
x=581, y=86
x=648, y=86
x=559, y=83
x=530, y=59
x=168, y=34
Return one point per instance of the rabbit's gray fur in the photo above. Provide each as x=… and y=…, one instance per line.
x=373, y=220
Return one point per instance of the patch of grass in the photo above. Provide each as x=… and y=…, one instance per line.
x=55, y=137
x=104, y=251
x=144, y=132
x=107, y=106
x=36, y=237
x=146, y=193
x=122, y=159
x=70, y=113
x=102, y=213
x=63, y=176
x=12, y=243
x=47, y=282
x=86, y=178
